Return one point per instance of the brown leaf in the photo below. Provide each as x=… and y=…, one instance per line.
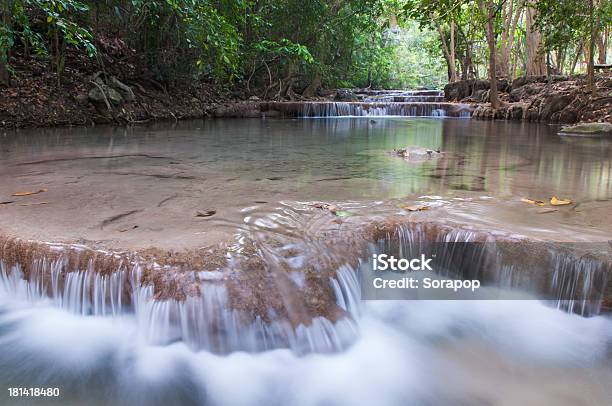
x=29, y=193
x=415, y=207
x=547, y=210
x=207, y=213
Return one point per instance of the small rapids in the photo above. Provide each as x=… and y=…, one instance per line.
x=111, y=338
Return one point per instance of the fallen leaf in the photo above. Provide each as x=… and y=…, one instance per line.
x=341, y=213
x=7, y=202
x=34, y=204
x=555, y=201
x=531, y=201
x=416, y=208
x=325, y=206
x=29, y=193
x=206, y=213
x=547, y=210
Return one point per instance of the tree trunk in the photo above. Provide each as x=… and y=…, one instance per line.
x=5, y=21
x=602, y=46
x=452, y=70
x=511, y=21
x=575, y=61
x=591, y=49
x=4, y=73
x=489, y=11
x=313, y=87
x=452, y=52
x=536, y=65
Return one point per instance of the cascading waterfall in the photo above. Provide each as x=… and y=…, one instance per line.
x=579, y=283
x=412, y=96
x=574, y=283
x=207, y=321
x=203, y=322
x=376, y=104
x=374, y=109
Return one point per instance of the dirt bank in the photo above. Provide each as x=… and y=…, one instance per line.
x=555, y=99
x=117, y=88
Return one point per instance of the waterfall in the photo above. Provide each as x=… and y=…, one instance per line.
x=205, y=321
x=211, y=317
x=412, y=96
x=577, y=283
x=558, y=273
x=424, y=103
x=374, y=109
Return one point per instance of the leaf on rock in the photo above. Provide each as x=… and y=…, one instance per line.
x=342, y=213
x=555, y=201
x=532, y=201
x=29, y=193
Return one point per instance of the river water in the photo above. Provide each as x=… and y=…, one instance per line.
x=259, y=175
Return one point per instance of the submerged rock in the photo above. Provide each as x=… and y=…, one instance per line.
x=588, y=129
x=417, y=154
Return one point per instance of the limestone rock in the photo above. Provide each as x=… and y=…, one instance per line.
x=417, y=154
x=126, y=92
x=97, y=97
x=588, y=129
x=345, y=95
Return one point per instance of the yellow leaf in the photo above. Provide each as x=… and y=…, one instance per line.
x=49, y=19
x=415, y=208
x=29, y=193
x=555, y=201
x=531, y=201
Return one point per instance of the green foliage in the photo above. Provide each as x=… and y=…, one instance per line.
x=60, y=14
x=417, y=60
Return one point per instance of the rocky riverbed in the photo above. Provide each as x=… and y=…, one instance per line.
x=554, y=99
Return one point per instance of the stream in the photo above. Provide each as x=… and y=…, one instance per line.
x=263, y=188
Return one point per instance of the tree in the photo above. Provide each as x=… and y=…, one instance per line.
x=536, y=62
x=564, y=28
x=510, y=18
x=488, y=9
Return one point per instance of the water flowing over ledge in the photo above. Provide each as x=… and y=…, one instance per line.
x=301, y=294
x=424, y=103
x=360, y=109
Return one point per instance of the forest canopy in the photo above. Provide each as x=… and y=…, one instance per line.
x=282, y=48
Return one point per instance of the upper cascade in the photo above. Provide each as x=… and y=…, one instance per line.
x=380, y=103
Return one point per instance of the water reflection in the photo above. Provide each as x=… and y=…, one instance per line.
x=493, y=157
